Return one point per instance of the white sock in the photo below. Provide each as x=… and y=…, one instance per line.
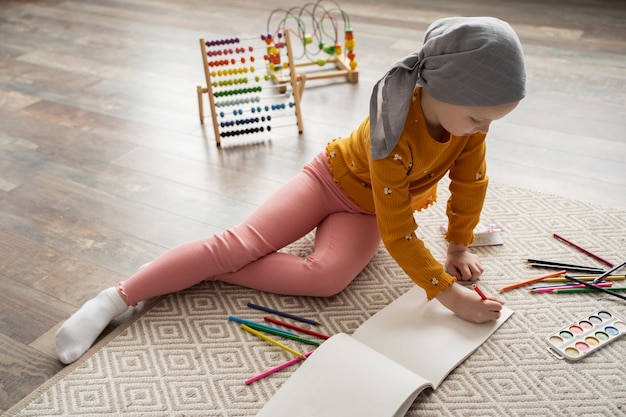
x=79, y=332
x=130, y=311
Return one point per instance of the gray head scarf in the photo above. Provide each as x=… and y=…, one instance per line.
x=465, y=61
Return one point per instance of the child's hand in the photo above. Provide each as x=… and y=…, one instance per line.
x=469, y=306
x=462, y=264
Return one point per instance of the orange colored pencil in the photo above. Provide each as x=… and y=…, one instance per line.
x=532, y=280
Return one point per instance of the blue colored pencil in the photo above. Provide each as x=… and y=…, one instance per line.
x=609, y=272
x=280, y=313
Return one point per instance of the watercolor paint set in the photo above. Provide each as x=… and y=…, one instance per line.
x=586, y=335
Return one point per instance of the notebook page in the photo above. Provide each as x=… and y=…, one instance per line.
x=424, y=336
x=344, y=377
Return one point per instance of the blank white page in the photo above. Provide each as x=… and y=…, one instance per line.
x=424, y=336
x=342, y=378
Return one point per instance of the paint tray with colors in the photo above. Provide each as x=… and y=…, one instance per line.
x=586, y=335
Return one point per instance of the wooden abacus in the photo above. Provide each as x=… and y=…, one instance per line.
x=246, y=93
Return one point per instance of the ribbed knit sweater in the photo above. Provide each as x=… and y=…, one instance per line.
x=405, y=181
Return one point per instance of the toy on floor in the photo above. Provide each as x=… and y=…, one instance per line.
x=243, y=98
x=315, y=30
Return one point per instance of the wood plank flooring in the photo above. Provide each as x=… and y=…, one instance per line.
x=104, y=164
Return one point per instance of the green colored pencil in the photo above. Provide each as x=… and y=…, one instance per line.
x=267, y=329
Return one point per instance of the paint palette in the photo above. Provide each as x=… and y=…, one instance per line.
x=586, y=335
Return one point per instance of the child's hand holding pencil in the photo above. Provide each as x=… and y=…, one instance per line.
x=467, y=306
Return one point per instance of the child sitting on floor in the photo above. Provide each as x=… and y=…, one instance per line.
x=429, y=116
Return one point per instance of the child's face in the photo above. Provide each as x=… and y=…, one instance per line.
x=464, y=121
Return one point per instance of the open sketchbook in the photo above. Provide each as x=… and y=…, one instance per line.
x=380, y=370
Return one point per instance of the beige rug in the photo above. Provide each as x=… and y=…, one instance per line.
x=183, y=357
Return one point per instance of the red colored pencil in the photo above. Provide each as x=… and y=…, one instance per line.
x=294, y=327
x=583, y=250
x=479, y=291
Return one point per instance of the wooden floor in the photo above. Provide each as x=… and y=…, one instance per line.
x=104, y=164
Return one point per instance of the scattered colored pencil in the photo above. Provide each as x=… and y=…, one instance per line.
x=276, y=368
x=280, y=313
x=294, y=327
x=532, y=280
x=609, y=272
x=587, y=289
x=537, y=263
x=563, y=265
x=278, y=332
x=590, y=285
x=272, y=341
x=258, y=325
x=550, y=288
x=569, y=268
x=586, y=278
x=583, y=250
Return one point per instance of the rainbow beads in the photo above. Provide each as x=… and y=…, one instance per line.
x=243, y=103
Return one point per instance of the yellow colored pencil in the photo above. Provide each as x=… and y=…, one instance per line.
x=563, y=279
x=272, y=341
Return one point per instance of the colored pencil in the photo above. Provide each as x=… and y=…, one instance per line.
x=563, y=265
x=276, y=368
x=550, y=288
x=590, y=285
x=586, y=278
x=532, y=280
x=609, y=272
x=280, y=313
x=294, y=327
x=575, y=290
x=479, y=291
x=537, y=263
x=581, y=270
x=278, y=332
x=583, y=250
x=272, y=341
x=566, y=284
x=255, y=324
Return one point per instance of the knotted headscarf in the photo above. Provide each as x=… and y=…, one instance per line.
x=465, y=61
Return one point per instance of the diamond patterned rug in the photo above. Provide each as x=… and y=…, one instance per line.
x=183, y=357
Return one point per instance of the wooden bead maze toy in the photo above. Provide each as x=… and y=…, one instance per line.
x=315, y=32
x=243, y=97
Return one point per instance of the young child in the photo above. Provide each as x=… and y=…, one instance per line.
x=429, y=116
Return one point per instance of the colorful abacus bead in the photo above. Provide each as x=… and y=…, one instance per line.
x=219, y=42
x=267, y=38
x=349, y=40
x=329, y=49
x=337, y=48
x=350, y=43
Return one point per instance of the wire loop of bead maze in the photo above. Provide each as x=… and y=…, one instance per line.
x=243, y=97
x=316, y=26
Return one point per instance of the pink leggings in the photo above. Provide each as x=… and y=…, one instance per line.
x=346, y=239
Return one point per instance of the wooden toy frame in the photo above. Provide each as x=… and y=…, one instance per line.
x=295, y=80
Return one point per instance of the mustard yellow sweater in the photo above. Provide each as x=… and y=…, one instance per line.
x=405, y=181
